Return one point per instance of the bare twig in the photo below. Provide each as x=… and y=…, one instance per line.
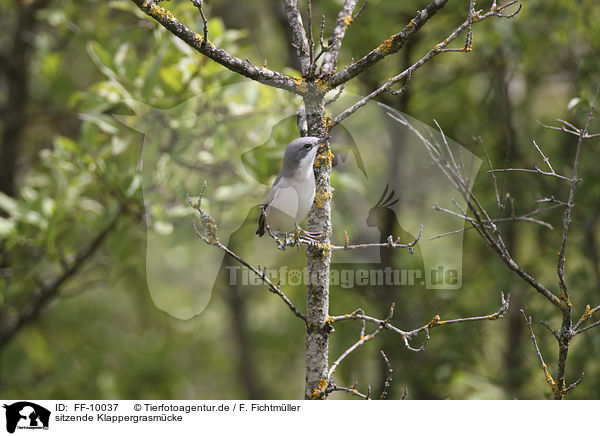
x=361, y=341
x=453, y=232
x=570, y=202
x=572, y=385
x=261, y=74
x=569, y=128
x=547, y=374
x=591, y=326
x=587, y=314
x=336, y=96
x=333, y=388
x=47, y=292
x=494, y=179
x=208, y=233
x=198, y=4
x=363, y=338
x=527, y=170
x=344, y=19
x=481, y=220
x=391, y=46
x=311, y=42
x=388, y=47
x=299, y=39
x=525, y=217
x=435, y=322
x=360, y=10
x=388, y=376
x=390, y=243
x=550, y=329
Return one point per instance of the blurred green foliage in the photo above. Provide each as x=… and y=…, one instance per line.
x=104, y=337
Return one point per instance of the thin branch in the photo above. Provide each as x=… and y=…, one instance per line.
x=336, y=96
x=389, y=46
x=587, y=314
x=311, y=41
x=591, y=326
x=344, y=19
x=494, y=178
x=435, y=322
x=363, y=338
x=404, y=394
x=359, y=66
x=198, y=4
x=388, y=376
x=528, y=170
x=47, y=292
x=481, y=220
x=351, y=390
x=570, y=129
x=353, y=347
x=453, y=232
x=547, y=374
x=299, y=39
x=389, y=244
x=525, y=218
x=360, y=10
x=258, y=73
x=209, y=236
x=572, y=385
x=550, y=329
x=543, y=156
x=570, y=204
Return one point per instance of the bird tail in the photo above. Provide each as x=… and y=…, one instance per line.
x=261, y=223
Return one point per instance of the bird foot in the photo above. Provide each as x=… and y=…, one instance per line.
x=306, y=237
x=296, y=238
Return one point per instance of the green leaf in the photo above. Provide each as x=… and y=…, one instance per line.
x=67, y=144
x=101, y=58
x=104, y=122
x=6, y=227
x=8, y=204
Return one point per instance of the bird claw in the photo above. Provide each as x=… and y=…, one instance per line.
x=310, y=238
x=296, y=238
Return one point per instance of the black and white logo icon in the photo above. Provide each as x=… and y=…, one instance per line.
x=26, y=415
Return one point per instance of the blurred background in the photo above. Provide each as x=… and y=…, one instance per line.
x=83, y=85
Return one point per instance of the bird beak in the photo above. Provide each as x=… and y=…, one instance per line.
x=322, y=140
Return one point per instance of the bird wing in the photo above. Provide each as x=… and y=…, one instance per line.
x=283, y=197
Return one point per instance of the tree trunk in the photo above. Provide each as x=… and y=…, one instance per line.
x=318, y=258
x=15, y=75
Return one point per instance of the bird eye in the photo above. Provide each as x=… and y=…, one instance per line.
x=307, y=146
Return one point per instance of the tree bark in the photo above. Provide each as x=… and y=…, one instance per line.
x=14, y=72
x=318, y=258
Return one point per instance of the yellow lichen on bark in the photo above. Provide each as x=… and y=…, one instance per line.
x=324, y=250
x=318, y=392
x=325, y=157
x=157, y=12
x=322, y=86
x=321, y=197
x=386, y=45
x=300, y=84
x=586, y=314
x=435, y=321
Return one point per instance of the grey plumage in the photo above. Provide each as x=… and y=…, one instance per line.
x=293, y=191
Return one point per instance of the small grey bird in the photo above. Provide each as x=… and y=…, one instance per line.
x=293, y=191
